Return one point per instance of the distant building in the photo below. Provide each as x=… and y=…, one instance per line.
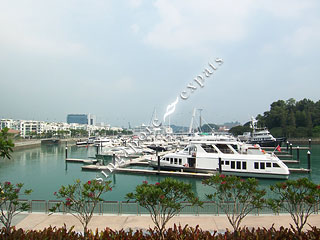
x=7, y=123
x=87, y=119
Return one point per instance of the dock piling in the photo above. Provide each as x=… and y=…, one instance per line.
x=66, y=152
x=158, y=158
x=287, y=146
x=97, y=148
x=309, y=144
x=290, y=148
x=158, y=163
x=114, y=159
x=66, y=167
x=298, y=153
x=309, y=161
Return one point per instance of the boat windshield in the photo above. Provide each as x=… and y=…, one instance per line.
x=224, y=148
x=209, y=148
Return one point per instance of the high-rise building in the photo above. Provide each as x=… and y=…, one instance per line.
x=87, y=119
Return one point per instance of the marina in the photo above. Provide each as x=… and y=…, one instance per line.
x=45, y=168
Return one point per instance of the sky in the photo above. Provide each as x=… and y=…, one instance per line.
x=123, y=60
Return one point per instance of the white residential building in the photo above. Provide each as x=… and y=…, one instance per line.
x=27, y=127
x=7, y=123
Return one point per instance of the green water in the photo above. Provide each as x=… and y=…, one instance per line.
x=43, y=169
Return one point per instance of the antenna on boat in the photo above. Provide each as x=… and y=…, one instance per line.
x=200, y=120
x=154, y=116
x=192, y=119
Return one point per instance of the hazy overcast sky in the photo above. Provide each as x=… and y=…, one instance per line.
x=120, y=60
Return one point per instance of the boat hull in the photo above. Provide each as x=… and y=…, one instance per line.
x=270, y=143
x=246, y=174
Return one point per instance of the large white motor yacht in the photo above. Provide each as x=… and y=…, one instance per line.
x=228, y=157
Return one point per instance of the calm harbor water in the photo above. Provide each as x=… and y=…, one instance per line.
x=44, y=170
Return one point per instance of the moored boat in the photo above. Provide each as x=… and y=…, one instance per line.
x=232, y=158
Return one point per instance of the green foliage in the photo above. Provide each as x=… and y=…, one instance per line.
x=78, y=133
x=235, y=196
x=175, y=233
x=316, y=131
x=277, y=131
x=9, y=204
x=239, y=130
x=81, y=199
x=6, y=144
x=298, y=197
x=163, y=200
x=290, y=116
x=208, y=128
x=105, y=132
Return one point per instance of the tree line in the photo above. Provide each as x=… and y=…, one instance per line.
x=290, y=118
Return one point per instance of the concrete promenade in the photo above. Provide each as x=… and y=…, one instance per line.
x=39, y=221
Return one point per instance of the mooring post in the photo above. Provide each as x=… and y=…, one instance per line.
x=298, y=153
x=309, y=161
x=114, y=159
x=220, y=170
x=309, y=144
x=158, y=163
x=66, y=158
x=158, y=158
x=97, y=148
x=66, y=152
x=287, y=146
x=291, y=149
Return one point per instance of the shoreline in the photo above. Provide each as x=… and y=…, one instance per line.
x=32, y=143
x=303, y=141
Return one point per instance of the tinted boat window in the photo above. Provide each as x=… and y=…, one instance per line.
x=208, y=148
x=233, y=165
x=256, y=165
x=238, y=165
x=224, y=148
x=244, y=165
x=262, y=166
x=276, y=165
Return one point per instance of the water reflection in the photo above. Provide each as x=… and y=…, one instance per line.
x=44, y=170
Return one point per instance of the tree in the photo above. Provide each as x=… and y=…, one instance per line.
x=239, y=130
x=163, y=200
x=9, y=204
x=297, y=197
x=81, y=199
x=6, y=144
x=236, y=197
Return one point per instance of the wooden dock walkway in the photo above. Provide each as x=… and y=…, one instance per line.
x=78, y=160
x=284, y=155
x=290, y=161
x=284, y=147
x=164, y=173
x=299, y=170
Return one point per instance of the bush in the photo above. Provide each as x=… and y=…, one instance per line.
x=177, y=232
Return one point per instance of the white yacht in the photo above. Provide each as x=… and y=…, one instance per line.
x=260, y=136
x=104, y=142
x=229, y=157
